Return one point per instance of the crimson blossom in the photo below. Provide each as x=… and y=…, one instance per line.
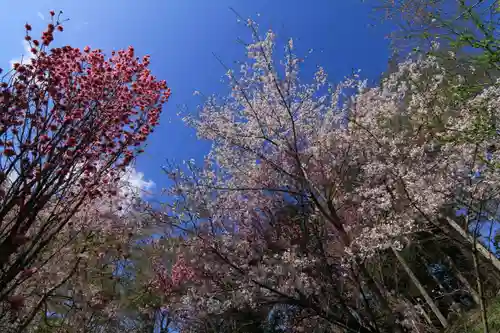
x=71, y=121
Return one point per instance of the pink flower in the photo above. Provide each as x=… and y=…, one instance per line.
x=9, y=152
x=44, y=138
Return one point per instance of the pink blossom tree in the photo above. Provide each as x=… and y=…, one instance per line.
x=373, y=167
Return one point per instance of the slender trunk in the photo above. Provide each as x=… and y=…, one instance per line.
x=419, y=327
x=377, y=290
x=421, y=288
x=373, y=318
x=443, y=289
x=490, y=257
x=424, y=313
x=479, y=282
x=462, y=278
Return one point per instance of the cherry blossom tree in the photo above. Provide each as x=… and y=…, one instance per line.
x=370, y=168
x=71, y=122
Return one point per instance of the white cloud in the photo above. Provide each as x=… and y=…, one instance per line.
x=40, y=15
x=26, y=56
x=137, y=182
x=132, y=186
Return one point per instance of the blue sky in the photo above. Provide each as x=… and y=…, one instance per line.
x=181, y=35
